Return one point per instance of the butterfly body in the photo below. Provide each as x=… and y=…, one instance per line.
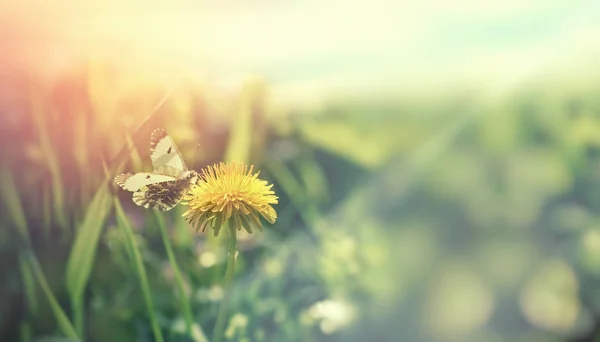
x=165, y=186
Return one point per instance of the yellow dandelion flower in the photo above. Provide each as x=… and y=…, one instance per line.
x=229, y=192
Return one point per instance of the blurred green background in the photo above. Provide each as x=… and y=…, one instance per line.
x=436, y=166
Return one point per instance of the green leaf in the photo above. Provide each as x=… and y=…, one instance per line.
x=83, y=252
x=294, y=189
x=369, y=144
x=52, y=159
x=124, y=225
x=61, y=318
x=183, y=237
x=56, y=339
x=184, y=301
x=46, y=210
x=135, y=155
x=240, y=137
x=12, y=201
x=27, y=277
x=313, y=178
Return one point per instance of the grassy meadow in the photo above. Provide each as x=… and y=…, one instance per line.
x=462, y=215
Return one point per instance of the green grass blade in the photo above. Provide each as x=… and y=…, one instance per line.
x=55, y=339
x=83, y=252
x=25, y=331
x=240, y=137
x=80, y=152
x=61, y=318
x=184, y=301
x=183, y=236
x=12, y=201
x=28, y=284
x=136, y=160
x=46, y=211
x=124, y=225
x=119, y=157
x=313, y=179
x=28, y=280
x=58, y=197
x=293, y=188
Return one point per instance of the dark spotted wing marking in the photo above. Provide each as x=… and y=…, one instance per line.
x=162, y=196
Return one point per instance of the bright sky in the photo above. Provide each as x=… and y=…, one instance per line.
x=309, y=48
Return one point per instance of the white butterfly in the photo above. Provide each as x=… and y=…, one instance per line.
x=164, y=187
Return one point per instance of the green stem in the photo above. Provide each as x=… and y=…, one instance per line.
x=184, y=301
x=231, y=257
x=61, y=318
x=25, y=331
x=138, y=264
x=78, y=316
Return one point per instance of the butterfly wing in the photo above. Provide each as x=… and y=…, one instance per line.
x=162, y=196
x=166, y=158
x=135, y=181
x=163, y=188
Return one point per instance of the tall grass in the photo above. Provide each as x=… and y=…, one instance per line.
x=12, y=199
x=367, y=210
x=83, y=252
x=184, y=300
x=51, y=158
x=125, y=226
x=61, y=318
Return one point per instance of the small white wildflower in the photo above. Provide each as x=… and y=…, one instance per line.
x=333, y=315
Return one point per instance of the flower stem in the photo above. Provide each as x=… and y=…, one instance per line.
x=138, y=264
x=231, y=257
x=183, y=300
